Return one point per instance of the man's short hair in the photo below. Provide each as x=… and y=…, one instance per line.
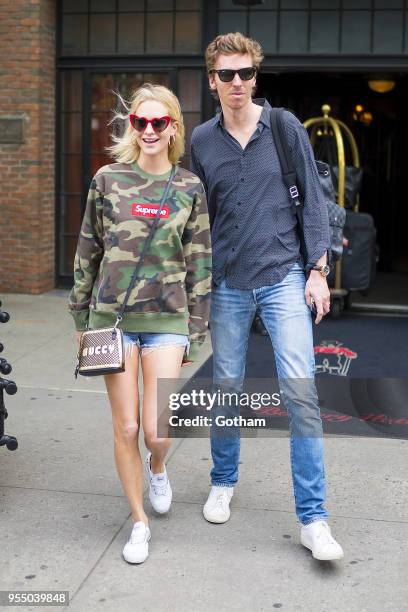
x=232, y=43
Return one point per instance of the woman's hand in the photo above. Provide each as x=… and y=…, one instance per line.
x=186, y=363
x=78, y=336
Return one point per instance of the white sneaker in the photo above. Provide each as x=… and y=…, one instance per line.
x=137, y=548
x=160, y=492
x=216, y=509
x=318, y=538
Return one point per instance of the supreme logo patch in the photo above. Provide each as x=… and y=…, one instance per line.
x=149, y=210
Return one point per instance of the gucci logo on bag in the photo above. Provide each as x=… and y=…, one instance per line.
x=101, y=349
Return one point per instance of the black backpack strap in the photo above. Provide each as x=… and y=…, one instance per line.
x=288, y=171
x=282, y=147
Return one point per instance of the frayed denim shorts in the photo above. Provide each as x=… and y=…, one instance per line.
x=147, y=342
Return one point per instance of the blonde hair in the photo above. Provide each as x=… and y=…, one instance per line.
x=231, y=43
x=125, y=148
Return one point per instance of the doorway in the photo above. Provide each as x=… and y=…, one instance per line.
x=381, y=133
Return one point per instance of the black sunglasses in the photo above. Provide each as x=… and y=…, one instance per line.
x=227, y=74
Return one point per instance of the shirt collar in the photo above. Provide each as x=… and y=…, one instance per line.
x=264, y=118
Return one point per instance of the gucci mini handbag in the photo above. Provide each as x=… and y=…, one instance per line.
x=101, y=351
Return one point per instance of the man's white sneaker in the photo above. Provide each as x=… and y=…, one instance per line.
x=318, y=538
x=216, y=509
x=160, y=492
x=137, y=548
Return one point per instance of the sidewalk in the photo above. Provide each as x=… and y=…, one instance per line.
x=65, y=520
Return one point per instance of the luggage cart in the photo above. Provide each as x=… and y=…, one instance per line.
x=328, y=127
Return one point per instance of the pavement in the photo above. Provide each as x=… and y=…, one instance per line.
x=64, y=518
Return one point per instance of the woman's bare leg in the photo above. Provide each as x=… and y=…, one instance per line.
x=160, y=362
x=123, y=395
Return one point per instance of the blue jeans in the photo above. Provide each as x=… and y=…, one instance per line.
x=287, y=318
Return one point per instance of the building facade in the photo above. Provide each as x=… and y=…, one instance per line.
x=62, y=62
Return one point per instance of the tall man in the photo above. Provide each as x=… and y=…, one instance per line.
x=257, y=266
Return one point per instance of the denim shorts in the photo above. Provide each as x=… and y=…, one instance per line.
x=149, y=341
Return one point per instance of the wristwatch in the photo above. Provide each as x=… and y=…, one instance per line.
x=324, y=270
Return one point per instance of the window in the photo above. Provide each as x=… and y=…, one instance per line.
x=189, y=93
x=299, y=27
x=70, y=168
x=131, y=27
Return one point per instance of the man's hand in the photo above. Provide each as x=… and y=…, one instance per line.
x=317, y=291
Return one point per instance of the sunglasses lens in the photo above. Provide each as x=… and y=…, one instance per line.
x=139, y=123
x=159, y=125
x=226, y=75
x=246, y=74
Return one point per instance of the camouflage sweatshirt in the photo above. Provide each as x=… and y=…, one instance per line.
x=172, y=293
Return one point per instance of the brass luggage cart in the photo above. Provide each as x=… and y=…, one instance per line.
x=328, y=127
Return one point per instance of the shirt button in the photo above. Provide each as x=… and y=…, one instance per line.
x=242, y=179
x=238, y=203
x=237, y=227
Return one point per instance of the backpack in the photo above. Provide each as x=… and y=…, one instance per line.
x=337, y=214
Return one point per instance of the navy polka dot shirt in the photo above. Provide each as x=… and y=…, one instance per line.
x=253, y=228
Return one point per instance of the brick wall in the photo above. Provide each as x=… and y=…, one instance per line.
x=27, y=199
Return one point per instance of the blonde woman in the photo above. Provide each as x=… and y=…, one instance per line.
x=167, y=312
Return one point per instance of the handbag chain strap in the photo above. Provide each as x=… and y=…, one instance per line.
x=146, y=246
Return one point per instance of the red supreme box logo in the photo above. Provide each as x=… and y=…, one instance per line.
x=149, y=210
